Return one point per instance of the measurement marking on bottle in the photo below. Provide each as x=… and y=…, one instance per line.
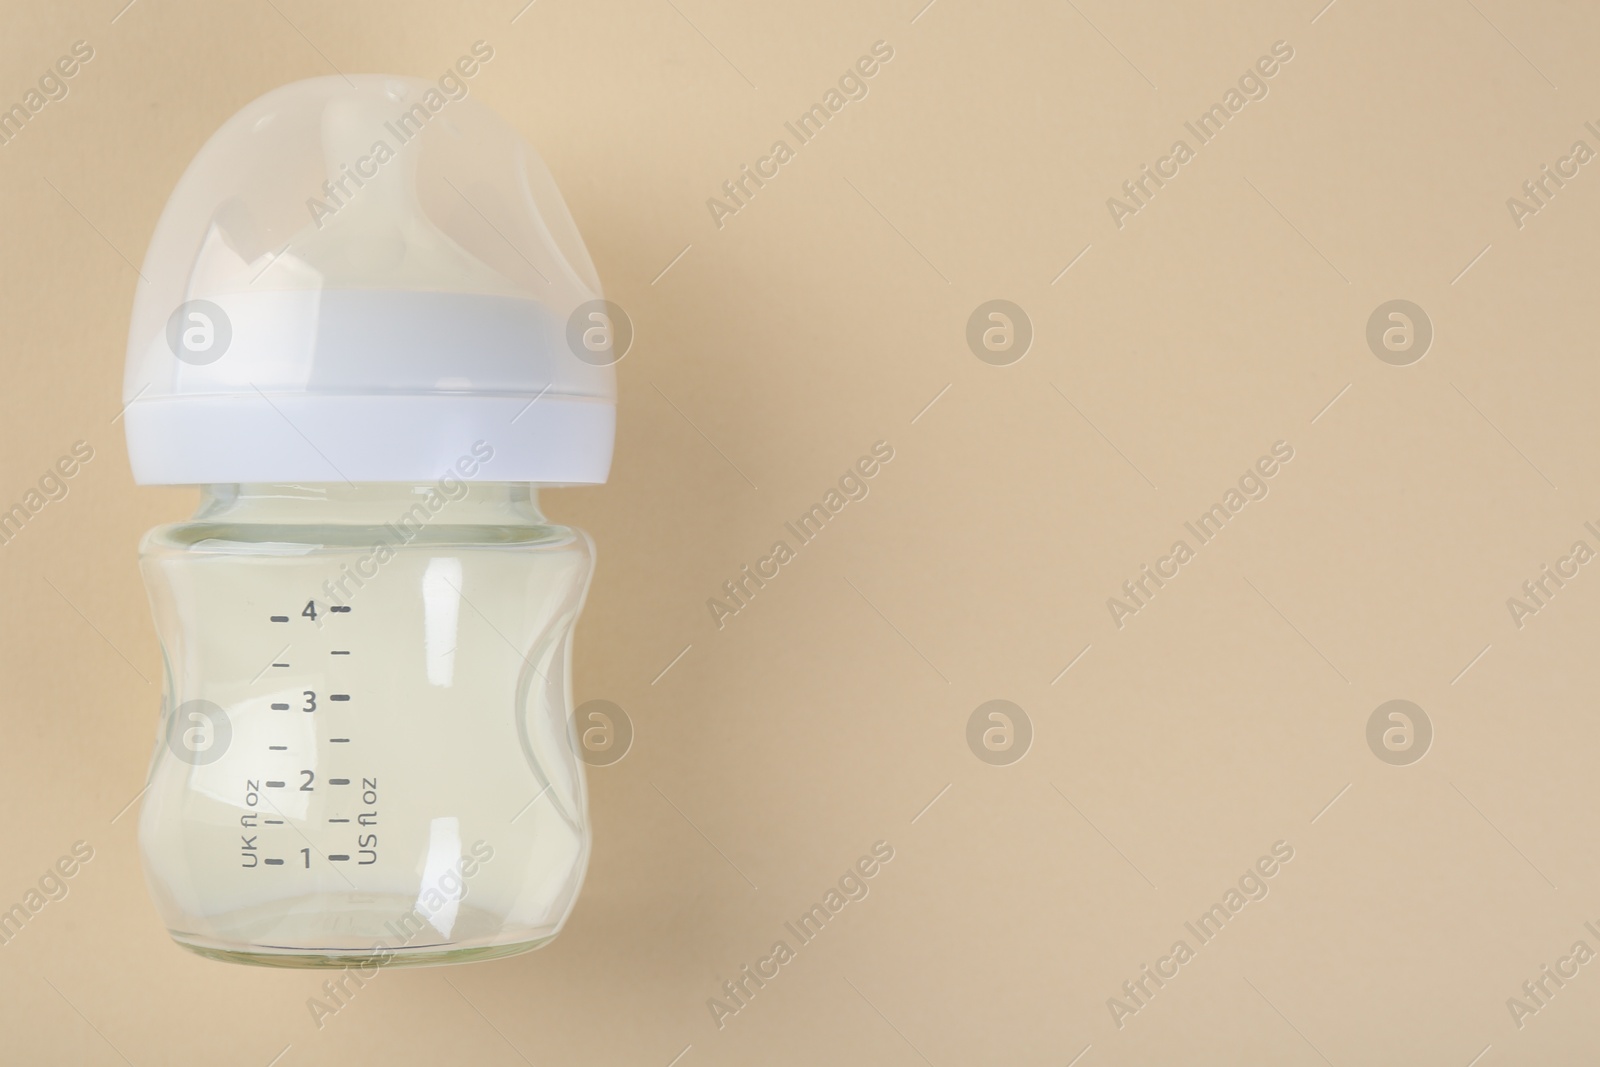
x=338, y=820
x=338, y=856
x=339, y=652
x=280, y=664
x=338, y=781
x=273, y=863
x=277, y=748
x=339, y=740
x=280, y=707
x=279, y=618
x=340, y=608
x=274, y=785
x=273, y=822
x=338, y=696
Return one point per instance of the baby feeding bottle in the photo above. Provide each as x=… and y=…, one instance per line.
x=367, y=329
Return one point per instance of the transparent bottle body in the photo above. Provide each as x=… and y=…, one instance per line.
x=366, y=751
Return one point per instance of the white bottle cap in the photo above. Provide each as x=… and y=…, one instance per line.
x=360, y=280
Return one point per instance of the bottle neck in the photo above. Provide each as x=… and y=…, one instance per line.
x=450, y=501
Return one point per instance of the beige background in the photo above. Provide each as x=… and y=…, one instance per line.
x=827, y=715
